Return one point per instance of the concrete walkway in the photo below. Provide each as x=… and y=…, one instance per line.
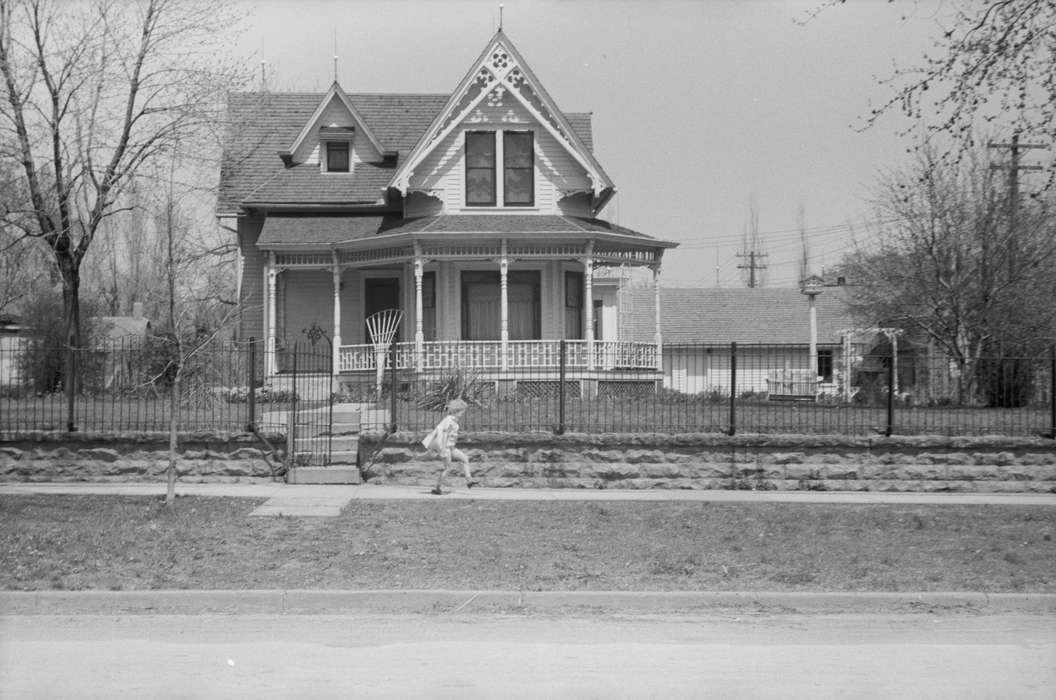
x=328, y=500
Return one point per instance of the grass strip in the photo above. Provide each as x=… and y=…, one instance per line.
x=97, y=542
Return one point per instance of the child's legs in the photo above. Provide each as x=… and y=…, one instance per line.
x=461, y=456
x=442, y=474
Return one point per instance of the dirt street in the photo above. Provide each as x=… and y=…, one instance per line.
x=727, y=655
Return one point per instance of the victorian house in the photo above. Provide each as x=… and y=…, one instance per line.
x=475, y=213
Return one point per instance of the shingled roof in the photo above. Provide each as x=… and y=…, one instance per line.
x=769, y=316
x=280, y=231
x=261, y=124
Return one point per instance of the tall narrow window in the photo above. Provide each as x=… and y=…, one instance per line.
x=480, y=168
x=429, y=305
x=337, y=156
x=518, y=166
x=825, y=365
x=573, y=305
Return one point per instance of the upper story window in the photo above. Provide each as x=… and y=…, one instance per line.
x=518, y=169
x=480, y=168
x=337, y=156
x=484, y=152
x=335, y=148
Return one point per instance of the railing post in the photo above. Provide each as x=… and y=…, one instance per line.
x=392, y=389
x=890, y=395
x=733, y=389
x=252, y=398
x=562, y=357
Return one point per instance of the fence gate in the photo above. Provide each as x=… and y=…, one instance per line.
x=310, y=378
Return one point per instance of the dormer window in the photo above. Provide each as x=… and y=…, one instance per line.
x=335, y=146
x=485, y=150
x=337, y=157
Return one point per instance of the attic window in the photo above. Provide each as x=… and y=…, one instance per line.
x=336, y=144
x=337, y=156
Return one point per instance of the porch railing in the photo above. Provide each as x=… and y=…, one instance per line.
x=519, y=354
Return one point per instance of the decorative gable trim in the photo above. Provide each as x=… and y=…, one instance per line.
x=501, y=69
x=312, y=124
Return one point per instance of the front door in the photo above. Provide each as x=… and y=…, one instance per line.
x=380, y=293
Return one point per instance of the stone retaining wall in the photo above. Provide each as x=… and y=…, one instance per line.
x=759, y=462
x=705, y=461
x=213, y=457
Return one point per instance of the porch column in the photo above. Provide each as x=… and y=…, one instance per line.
x=337, y=311
x=588, y=302
x=272, y=273
x=657, y=338
x=504, y=325
x=419, y=328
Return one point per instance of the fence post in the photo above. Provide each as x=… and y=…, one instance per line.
x=1052, y=391
x=890, y=394
x=291, y=422
x=733, y=389
x=392, y=390
x=251, y=426
x=562, y=355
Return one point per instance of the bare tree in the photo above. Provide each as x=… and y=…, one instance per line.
x=940, y=267
x=92, y=93
x=990, y=67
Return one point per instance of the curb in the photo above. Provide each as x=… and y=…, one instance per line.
x=308, y=602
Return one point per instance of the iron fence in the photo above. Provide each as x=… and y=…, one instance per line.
x=129, y=384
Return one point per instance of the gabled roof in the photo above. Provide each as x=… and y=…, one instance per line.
x=262, y=124
x=501, y=66
x=335, y=92
x=763, y=315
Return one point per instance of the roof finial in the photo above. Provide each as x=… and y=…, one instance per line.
x=335, y=54
x=500, y=16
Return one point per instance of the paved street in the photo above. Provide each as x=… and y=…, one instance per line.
x=733, y=654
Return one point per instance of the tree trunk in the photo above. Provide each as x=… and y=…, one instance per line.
x=71, y=302
x=174, y=407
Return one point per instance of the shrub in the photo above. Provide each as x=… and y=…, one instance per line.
x=460, y=384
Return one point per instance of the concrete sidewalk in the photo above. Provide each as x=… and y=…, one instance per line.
x=328, y=500
x=440, y=602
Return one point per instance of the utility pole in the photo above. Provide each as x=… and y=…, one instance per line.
x=1013, y=167
x=754, y=263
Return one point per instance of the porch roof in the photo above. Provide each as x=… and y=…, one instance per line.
x=288, y=232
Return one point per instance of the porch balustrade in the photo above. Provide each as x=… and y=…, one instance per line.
x=520, y=355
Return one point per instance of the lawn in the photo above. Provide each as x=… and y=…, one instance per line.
x=133, y=543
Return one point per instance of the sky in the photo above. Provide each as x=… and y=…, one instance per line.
x=699, y=108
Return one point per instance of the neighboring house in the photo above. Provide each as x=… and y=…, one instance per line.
x=12, y=345
x=118, y=343
x=771, y=327
x=475, y=213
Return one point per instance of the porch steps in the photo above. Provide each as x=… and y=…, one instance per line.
x=344, y=452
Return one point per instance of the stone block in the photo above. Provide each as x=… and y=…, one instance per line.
x=11, y=454
x=840, y=471
x=101, y=454
x=922, y=472
x=785, y=458
x=972, y=472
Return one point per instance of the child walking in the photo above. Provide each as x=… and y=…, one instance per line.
x=442, y=441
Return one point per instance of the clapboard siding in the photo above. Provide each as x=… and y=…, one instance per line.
x=252, y=292
x=442, y=172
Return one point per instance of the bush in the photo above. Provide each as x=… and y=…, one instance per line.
x=43, y=363
x=460, y=384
